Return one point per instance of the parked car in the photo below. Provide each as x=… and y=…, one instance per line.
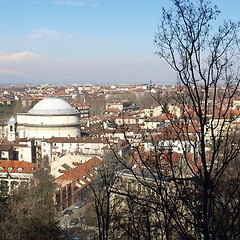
x=77, y=205
x=74, y=221
x=67, y=212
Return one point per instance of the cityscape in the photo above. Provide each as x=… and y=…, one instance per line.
x=101, y=140
x=70, y=131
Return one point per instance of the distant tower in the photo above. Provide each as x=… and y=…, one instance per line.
x=12, y=129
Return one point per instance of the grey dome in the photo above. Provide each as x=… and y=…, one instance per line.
x=52, y=106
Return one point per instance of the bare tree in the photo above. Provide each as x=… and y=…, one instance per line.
x=206, y=63
x=194, y=194
x=102, y=189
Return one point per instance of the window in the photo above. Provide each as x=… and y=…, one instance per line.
x=139, y=188
x=129, y=186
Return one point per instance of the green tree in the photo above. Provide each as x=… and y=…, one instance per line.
x=31, y=212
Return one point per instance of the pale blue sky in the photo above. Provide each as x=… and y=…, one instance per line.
x=89, y=41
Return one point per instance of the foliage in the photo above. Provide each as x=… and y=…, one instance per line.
x=31, y=213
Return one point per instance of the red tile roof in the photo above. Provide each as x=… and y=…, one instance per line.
x=13, y=166
x=82, y=172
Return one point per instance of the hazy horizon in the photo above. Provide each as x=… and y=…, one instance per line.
x=84, y=42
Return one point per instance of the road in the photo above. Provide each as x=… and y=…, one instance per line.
x=80, y=230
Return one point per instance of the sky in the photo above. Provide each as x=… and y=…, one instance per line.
x=85, y=41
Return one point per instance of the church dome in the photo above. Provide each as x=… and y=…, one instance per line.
x=52, y=106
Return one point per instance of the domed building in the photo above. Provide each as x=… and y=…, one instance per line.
x=49, y=117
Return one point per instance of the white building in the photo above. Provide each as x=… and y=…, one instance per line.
x=177, y=146
x=89, y=146
x=25, y=149
x=49, y=117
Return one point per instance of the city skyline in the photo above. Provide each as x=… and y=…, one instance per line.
x=85, y=42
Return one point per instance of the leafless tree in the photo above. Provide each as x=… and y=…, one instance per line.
x=206, y=62
x=193, y=194
x=102, y=190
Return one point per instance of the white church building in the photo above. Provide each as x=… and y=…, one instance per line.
x=51, y=117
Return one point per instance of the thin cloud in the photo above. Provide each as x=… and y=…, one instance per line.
x=75, y=3
x=43, y=34
x=95, y=5
x=72, y=35
x=70, y=3
x=20, y=56
x=12, y=73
